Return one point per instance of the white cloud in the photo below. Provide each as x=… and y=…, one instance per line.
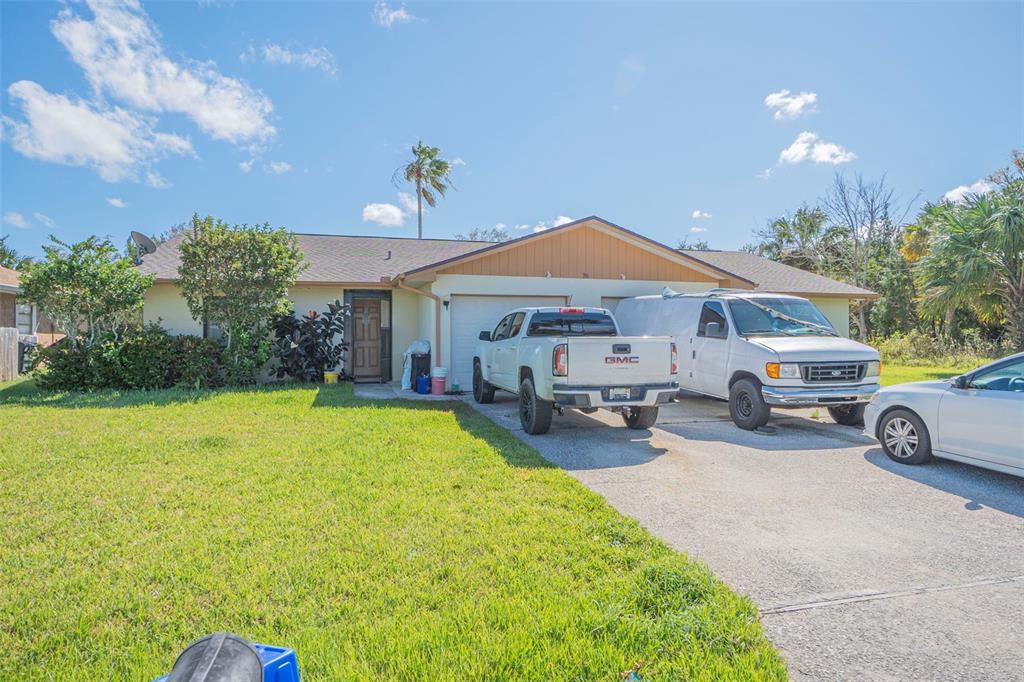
x=697, y=213
x=246, y=166
x=809, y=147
x=156, y=181
x=279, y=167
x=542, y=225
x=15, y=219
x=408, y=202
x=387, y=215
x=698, y=229
x=115, y=202
x=387, y=17
x=500, y=227
x=789, y=106
x=958, y=194
x=113, y=141
x=309, y=58
x=46, y=220
x=457, y=161
x=121, y=54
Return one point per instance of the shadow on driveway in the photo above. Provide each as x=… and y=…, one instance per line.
x=979, y=488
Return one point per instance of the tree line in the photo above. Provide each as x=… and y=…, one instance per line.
x=955, y=265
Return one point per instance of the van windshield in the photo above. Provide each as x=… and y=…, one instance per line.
x=779, y=317
x=571, y=324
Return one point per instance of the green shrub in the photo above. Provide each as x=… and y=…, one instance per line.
x=144, y=359
x=78, y=368
x=197, y=362
x=148, y=358
x=922, y=348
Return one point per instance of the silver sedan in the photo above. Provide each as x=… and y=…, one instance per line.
x=976, y=418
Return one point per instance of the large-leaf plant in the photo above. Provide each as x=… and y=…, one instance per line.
x=307, y=346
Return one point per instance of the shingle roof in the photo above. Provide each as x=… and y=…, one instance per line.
x=9, y=278
x=343, y=258
x=777, y=277
x=339, y=258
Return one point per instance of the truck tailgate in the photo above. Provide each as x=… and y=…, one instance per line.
x=619, y=360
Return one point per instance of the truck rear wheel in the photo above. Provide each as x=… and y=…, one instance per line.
x=848, y=415
x=747, y=406
x=640, y=417
x=534, y=413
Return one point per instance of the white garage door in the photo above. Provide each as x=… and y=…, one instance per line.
x=473, y=314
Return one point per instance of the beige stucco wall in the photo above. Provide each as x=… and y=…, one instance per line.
x=165, y=305
x=837, y=310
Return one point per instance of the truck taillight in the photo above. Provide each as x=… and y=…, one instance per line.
x=560, y=360
x=675, y=360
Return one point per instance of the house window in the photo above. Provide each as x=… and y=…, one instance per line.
x=212, y=330
x=24, y=319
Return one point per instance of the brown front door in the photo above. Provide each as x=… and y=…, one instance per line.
x=366, y=339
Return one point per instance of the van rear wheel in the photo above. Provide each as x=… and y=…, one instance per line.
x=640, y=417
x=747, y=406
x=848, y=415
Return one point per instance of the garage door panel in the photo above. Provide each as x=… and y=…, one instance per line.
x=472, y=314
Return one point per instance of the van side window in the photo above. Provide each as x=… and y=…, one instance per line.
x=712, y=312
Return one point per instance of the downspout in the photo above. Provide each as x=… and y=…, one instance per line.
x=436, y=350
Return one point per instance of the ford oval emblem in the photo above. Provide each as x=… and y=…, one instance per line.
x=836, y=372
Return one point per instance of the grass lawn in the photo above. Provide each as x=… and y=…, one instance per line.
x=383, y=541
x=899, y=374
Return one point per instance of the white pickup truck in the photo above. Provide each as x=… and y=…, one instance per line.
x=574, y=358
x=759, y=351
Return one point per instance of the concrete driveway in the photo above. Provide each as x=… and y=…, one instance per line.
x=863, y=569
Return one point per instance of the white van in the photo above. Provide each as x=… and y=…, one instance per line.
x=758, y=351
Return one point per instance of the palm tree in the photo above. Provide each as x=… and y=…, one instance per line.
x=429, y=173
x=977, y=258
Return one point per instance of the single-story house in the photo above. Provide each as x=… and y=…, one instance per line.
x=446, y=291
x=22, y=316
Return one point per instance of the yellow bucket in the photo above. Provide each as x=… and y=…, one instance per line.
x=330, y=377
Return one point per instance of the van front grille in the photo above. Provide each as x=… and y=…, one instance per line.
x=833, y=372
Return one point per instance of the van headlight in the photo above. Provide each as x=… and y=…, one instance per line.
x=783, y=370
x=874, y=368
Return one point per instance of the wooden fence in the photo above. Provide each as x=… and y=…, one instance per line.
x=8, y=353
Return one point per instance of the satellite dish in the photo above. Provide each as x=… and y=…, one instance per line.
x=145, y=243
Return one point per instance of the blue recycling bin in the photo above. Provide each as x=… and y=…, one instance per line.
x=279, y=664
x=423, y=384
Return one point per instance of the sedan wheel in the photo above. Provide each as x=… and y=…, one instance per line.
x=904, y=437
x=901, y=438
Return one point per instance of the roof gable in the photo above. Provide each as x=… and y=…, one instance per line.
x=589, y=248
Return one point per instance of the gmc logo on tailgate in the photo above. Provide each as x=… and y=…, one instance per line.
x=621, y=359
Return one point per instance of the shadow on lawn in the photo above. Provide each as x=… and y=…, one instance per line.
x=27, y=393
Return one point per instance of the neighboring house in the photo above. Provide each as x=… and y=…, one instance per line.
x=26, y=318
x=447, y=291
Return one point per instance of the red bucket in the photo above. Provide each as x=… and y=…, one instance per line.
x=437, y=385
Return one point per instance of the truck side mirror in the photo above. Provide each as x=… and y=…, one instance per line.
x=485, y=336
x=713, y=330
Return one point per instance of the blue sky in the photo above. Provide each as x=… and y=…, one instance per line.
x=675, y=120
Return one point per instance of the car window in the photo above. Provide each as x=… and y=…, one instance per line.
x=1008, y=377
x=712, y=312
x=517, y=324
x=501, y=331
x=571, y=322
